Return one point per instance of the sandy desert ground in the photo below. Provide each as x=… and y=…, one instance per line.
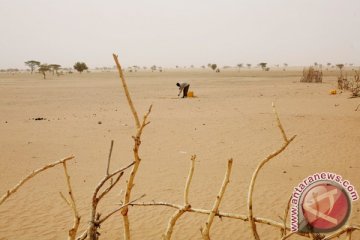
x=230, y=118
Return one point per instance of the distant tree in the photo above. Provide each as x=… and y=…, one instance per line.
x=191, y=66
x=32, y=64
x=285, y=66
x=209, y=65
x=328, y=64
x=54, y=68
x=213, y=66
x=263, y=65
x=340, y=66
x=80, y=66
x=248, y=65
x=43, y=68
x=12, y=70
x=202, y=66
x=240, y=65
x=153, y=68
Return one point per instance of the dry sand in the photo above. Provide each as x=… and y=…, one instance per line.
x=231, y=118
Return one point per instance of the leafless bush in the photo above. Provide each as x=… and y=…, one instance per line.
x=311, y=75
x=352, y=85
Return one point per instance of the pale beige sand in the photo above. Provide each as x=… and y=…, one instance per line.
x=232, y=117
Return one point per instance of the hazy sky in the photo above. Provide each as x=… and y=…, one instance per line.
x=179, y=32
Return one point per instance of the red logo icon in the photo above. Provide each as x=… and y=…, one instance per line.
x=325, y=207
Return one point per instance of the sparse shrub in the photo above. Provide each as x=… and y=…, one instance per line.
x=311, y=75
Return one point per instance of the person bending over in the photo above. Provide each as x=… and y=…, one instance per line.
x=183, y=87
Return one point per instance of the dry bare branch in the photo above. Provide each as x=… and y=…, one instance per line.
x=188, y=180
x=241, y=217
x=31, y=175
x=130, y=183
x=121, y=75
x=186, y=207
x=348, y=235
x=256, y=172
x=172, y=222
x=94, y=221
x=72, y=204
x=83, y=236
x=206, y=230
x=120, y=208
x=252, y=184
x=357, y=107
x=286, y=213
x=137, y=140
x=65, y=200
x=109, y=158
x=279, y=124
x=286, y=236
x=112, y=184
x=346, y=230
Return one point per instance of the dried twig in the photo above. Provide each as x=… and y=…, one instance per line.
x=188, y=180
x=109, y=158
x=94, y=221
x=206, y=230
x=186, y=207
x=286, y=236
x=31, y=175
x=83, y=236
x=357, y=107
x=126, y=91
x=348, y=235
x=346, y=230
x=137, y=142
x=256, y=172
x=286, y=213
x=241, y=217
x=130, y=183
x=65, y=199
x=72, y=204
x=279, y=124
x=120, y=208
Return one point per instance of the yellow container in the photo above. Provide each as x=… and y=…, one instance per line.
x=190, y=94
x=333, y=92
